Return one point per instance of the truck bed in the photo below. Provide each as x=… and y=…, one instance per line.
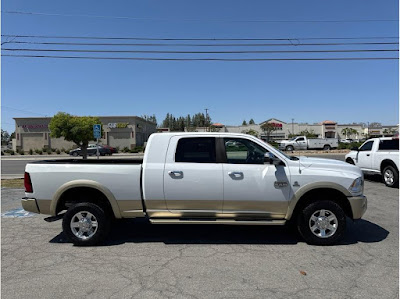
x=89, y=161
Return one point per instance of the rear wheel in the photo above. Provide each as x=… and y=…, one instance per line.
x=85, y=224
x=350, y=161
x=75, y=154
x=327, y=147
x=322, y=222
x=390, y=176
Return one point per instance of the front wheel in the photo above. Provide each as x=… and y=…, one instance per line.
x=390, y=176
x=289, y=148
x=85, y=224
x=322, y=222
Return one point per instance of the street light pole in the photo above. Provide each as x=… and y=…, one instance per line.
x=292, y=126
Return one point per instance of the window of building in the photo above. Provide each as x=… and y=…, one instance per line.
x=243, y=151
x=196, y=150
x=392, y=144
x=367, y=146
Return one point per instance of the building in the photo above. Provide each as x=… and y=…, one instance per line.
x=118, y=131
x=325, y=129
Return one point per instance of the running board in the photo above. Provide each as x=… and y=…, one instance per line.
x=218, y=221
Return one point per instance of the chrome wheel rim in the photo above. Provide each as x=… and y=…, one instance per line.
x=389, y=177
x=84, y=225
x=323, y=223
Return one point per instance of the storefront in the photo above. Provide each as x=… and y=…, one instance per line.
x=118, y=131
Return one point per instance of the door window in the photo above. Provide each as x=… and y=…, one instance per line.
x=196, y=150
x=300, y=139
x=367, y=146
x=243, y=151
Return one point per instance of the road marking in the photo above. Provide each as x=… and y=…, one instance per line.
x=17, y=213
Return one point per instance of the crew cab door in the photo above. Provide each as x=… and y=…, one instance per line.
x=193, y=184
x=364, y=158
x=252, y=188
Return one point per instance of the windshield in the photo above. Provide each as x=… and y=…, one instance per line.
x=293, y=138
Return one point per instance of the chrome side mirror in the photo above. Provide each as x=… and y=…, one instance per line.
x=270, y=158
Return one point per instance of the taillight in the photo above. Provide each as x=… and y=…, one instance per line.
x=28, y=183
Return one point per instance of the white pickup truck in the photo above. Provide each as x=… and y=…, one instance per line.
x=378, y=155
x=304, y=143
x=198, y=178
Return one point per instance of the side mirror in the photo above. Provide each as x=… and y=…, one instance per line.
x=270, y=158
x=355, y=149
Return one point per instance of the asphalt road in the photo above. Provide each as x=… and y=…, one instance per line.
x=16, y=166
x=193, y=261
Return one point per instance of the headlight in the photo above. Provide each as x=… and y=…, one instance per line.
x=357, y=186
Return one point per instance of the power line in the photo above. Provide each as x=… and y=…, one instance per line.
x=197, y=39
x=202, y=59
x=203, y=45
x=29, y=112
x=202, y=52
x=197, y=20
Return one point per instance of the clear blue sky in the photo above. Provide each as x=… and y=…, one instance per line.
x=308, y=91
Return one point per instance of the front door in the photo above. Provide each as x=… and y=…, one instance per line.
x=363, y=159
x=252, y=188
x=301, y=143
x=193, y=185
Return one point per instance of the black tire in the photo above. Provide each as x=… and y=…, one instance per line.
x=390, y=176
x=304, y=222
x=350, y=161
x=289, y=148
x=327, y=147
x=75, y=154
x=99, y=235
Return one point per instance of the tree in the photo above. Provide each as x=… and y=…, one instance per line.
x=268, y=128
x=151, y=118
x=251, y=122
x=78, y=129
x=348, y=132
x=5, y=137
x=244, y=123
x=251, y=132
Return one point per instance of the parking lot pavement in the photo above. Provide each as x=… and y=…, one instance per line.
x=191, y=261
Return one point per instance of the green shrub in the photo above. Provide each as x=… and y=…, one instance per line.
x=30, y=151
x=58, y=152
x=48, y=151
x=117, y=148
x=66, y=151
x=12, y=152
x=63, y=150
x=37, y=151
x=126, y=149
x=138, y=149
x=53, y=150
x=134, y=151
x=40, y=152
x=21, y=152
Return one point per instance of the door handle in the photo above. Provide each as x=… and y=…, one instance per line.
x=175, y=172
x=367, y=155
x=235, y=173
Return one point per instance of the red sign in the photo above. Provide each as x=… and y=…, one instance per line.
x=276, y=125
x=35, y=126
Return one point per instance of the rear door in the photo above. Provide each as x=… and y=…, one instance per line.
x=193, y=184
x=252, y=188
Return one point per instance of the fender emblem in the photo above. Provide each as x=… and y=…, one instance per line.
x=280, y=184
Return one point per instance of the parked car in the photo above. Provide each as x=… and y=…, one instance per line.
x=378, y=155
x=348, y=140
x=303, y=143
x=197, y=178
x=112, y=149
x=91, y=151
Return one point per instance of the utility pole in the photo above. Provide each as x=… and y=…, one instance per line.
x=206, y=118
x=292, y=126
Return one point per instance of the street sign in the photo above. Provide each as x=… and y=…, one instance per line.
x=97, y=131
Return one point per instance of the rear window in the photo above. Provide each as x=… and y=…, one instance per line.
x=392, y=144
x=196, y=150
